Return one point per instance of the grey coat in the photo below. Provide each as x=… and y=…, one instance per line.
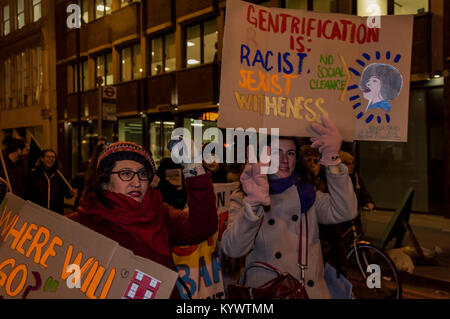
x=273, y=237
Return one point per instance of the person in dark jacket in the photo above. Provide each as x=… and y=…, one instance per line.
x=365, y=201
x=45, y=186
x=331, y=236
x=172, y=184
x=216, y=169
x=123, y=204
x=13, y=159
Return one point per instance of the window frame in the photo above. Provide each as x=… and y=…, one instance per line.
x=133, y=62
x=127, y=3
x=105, y=12
x=6, y=21
x=105, y=68
x=82, y=75
x=164, y=49
x=33, y=5
x=202, y=41
x=18, y=14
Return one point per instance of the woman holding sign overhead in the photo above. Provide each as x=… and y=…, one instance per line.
x=276, y=220
x=123, y=204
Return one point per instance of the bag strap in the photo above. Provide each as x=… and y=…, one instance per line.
x=257, y=264
x=302, y=255
x=183, y=284
x=303, y=246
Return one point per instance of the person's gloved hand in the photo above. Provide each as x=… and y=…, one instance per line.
x=177, y=146
x=328, y=142
x=184, y=151
x=255, y=185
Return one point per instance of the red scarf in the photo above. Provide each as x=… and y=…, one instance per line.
x=144, y=221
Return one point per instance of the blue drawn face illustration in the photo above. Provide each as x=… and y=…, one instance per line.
x=380, y=83
x=372, y=90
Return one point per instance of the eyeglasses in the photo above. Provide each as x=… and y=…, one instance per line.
x=127, y=175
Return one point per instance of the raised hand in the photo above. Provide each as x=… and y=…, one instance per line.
x=328, y=142
x=255, y=185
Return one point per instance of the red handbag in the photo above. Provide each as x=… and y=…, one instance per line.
x=283, y=286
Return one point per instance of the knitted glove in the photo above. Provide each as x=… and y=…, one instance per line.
x=255, y=185
x=329, y=142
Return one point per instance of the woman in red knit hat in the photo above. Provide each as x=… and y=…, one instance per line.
x=122, y=204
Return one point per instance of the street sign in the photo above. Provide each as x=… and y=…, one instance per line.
x=109, y=92
x=109, y=112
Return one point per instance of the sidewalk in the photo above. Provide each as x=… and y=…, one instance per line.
x=432, y=233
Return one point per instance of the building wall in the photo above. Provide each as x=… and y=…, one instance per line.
x=35, y=114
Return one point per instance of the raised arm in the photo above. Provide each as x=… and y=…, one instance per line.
x=340, y=204
x=199, y=222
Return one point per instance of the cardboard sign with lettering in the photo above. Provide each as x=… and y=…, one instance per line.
x=46, y=255
x=200, y=266
x=285, y=69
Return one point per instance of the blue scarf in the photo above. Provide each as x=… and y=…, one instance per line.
x=306, y=191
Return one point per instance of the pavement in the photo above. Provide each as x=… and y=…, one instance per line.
x=433, y=234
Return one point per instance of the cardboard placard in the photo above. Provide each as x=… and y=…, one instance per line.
x=200, y=266
x=285, y=69
x=37, y=246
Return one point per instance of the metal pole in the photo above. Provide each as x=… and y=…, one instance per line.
x=100, y=111
x=78, y=98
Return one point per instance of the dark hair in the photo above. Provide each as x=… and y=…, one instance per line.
x=301, y=167
x=390, y=79
x=13, y=144
x=55, y=165
x=96, y=178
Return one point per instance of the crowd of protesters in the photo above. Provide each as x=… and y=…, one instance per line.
x=148, y=210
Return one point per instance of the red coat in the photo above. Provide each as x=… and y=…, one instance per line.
x=183, y=228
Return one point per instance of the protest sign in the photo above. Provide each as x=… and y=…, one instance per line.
x=200, y=265
x=285, y=69
x=46, y=255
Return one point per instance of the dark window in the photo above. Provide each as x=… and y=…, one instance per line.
x=163, y=56
x=103, y=68
x=131, y=67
